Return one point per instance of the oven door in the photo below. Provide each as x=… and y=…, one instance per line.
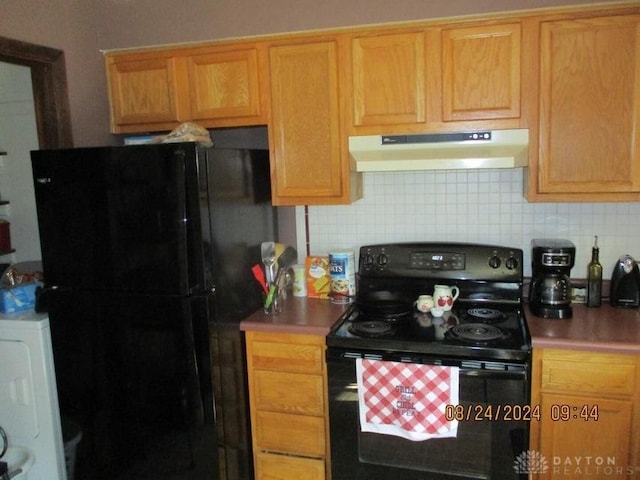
x=482, y=449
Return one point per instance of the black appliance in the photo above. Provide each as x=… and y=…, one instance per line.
x=485, y=335
x=147, y=253
x=625, y=283
x=550, y=287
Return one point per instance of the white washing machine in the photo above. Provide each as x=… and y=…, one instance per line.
x=29, y=412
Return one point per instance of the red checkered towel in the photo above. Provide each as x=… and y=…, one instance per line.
x=406, y=399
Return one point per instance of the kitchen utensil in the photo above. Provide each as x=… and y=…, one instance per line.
x=625, y=283
x=286, y=259
x=258, y=274
x=279, y=249
x=268, y=251
x=384, y=303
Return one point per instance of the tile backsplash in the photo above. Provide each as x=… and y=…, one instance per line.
x=479, y=206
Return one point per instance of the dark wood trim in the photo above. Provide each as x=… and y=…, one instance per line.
x=51, y=98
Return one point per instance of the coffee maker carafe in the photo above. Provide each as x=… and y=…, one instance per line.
x=550, y=288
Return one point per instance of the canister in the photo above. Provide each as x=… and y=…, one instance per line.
x=299, y=281
x=342, y=268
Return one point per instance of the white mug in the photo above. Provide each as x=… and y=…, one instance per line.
x=424, y=303
x=444, y=296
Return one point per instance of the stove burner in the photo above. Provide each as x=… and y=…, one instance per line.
x=476, y=333
x=372, y=328
x=486, y=314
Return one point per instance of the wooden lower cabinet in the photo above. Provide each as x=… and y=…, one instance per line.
x=288, y=401
x=589, y=415
x=279, y=467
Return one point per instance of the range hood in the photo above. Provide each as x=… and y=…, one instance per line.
x=441, y=151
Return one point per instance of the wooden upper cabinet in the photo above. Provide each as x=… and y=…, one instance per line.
x=481, y=72
x=439, y=78
x=144, y=92
x=215, y=86
x=307, y=161
x=388, y=79
x=224, y=84
x=589, y=109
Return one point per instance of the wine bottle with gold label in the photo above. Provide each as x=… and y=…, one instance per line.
x=594, y=277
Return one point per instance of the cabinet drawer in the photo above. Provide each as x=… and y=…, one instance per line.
x=288, y=392
x=267, y=353
x=281, y=467
x=584, y=372
x=296, y=434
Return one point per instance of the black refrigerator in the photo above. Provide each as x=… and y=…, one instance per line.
x=147, y=253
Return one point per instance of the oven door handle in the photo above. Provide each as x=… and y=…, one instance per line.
x=488, y=373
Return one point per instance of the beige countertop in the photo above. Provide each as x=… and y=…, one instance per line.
x=605, y=329
x=311, y=316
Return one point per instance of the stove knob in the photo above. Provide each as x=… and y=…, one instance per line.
x=382, y=259
x=494, y=262
x=512, y=263
x=368, y=260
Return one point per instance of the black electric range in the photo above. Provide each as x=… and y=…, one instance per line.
x=484, y=338
x=486, y=322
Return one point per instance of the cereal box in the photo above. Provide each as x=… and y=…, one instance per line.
x=317, y=271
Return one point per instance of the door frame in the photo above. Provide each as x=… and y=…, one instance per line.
x=50, y=93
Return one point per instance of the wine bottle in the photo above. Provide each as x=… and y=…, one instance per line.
x=594, y=277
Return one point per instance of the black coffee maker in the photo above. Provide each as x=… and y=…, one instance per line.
x=550, y=288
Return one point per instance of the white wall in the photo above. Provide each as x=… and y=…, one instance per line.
x=483, y=206
x=18, y=136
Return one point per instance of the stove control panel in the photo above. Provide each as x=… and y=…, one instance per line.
x=433, y=260
x=437, y=260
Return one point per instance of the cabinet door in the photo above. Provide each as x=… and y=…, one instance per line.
x=306, y=151
x=388, y=79
x=286, y=355
x=438, y=79
x=290, y=434
x=145, y=93
x=481, y=72
x=288, y=392
x=590, y=106
x=280, y=467
x=573, y=446
x=225, y=85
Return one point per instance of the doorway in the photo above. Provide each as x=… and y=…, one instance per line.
x=42, y=122
x=49, y=79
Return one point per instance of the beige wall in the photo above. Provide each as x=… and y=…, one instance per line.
x=82, y=27
x=144, y=22
x=67, y=25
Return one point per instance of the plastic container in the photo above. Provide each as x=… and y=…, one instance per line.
x=299, y=281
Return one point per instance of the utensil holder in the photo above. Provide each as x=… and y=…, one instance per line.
x=273, y=300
